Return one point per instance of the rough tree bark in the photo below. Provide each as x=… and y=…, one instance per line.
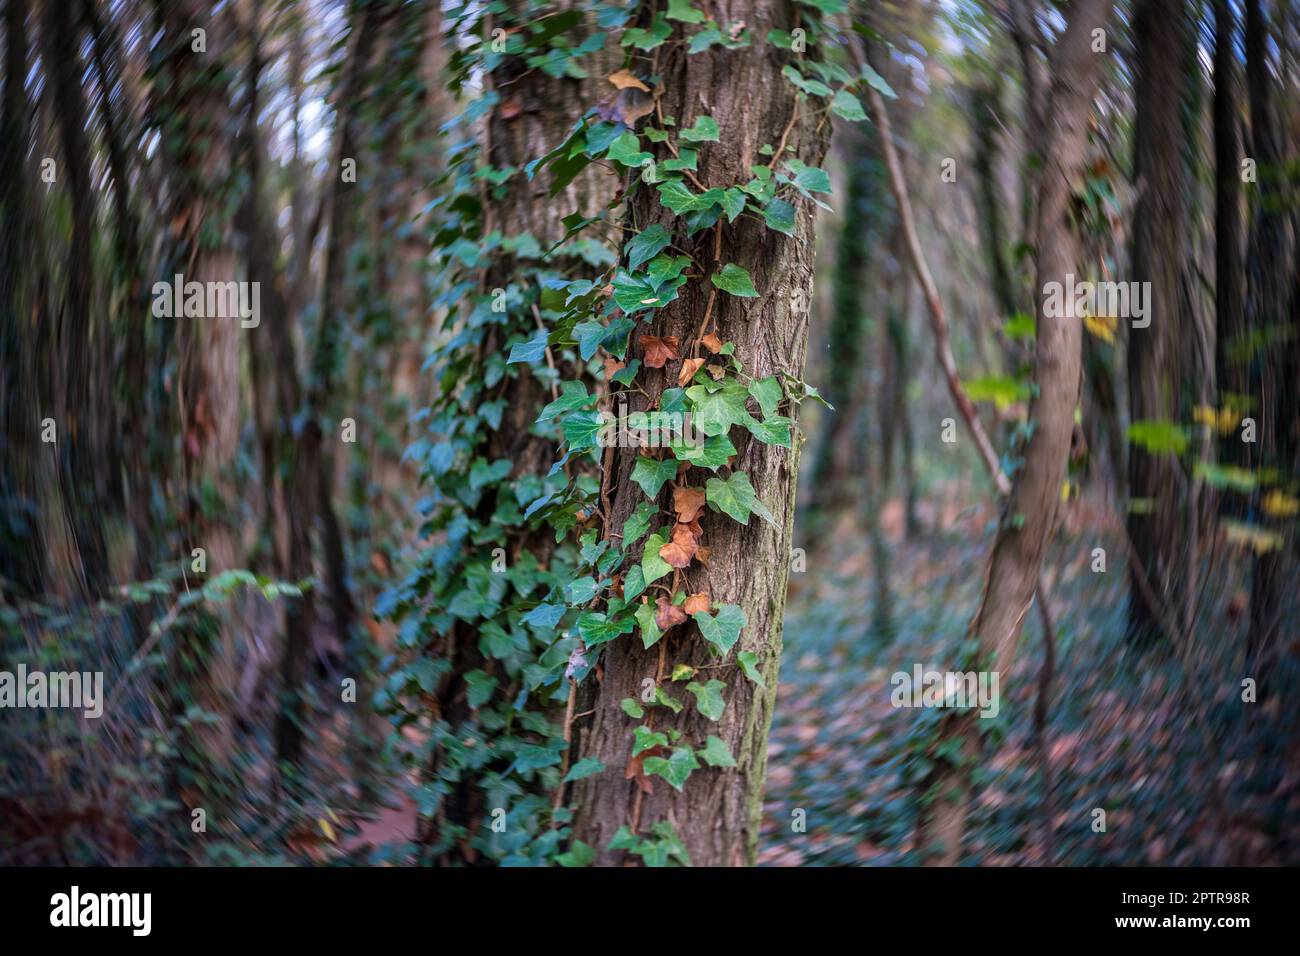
x=718, y=812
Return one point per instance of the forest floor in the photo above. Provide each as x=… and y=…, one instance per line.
x=1186, y=772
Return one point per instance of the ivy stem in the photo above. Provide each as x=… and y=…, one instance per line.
x=568, y=744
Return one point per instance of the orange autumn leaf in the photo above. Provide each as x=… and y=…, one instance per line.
x=679, y=551
x=688, y=503
x=712, y=342
x=696, y=603
x=668, y=614
x=689, y=368
x=623, y=79
x=612, y=367
x=702, y=555
x=659, y=350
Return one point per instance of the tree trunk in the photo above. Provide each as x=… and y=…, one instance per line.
x=717, y=814
x=1158, y=356
x=309, y=490
x=21, y=554
x=1271, y=258
x=200, y=148
x=534, y=113
x=85, y=418
x=1030, y=516
x=848, y=320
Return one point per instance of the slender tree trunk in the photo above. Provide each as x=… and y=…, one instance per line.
x=21, y=562
x=309, y=491
x=717, y=814
x=86, y=419
x=1271, y=258
x=130, y=396
x=848, y=319
x=1030, y=515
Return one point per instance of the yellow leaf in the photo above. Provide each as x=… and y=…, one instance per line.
x=623, y=79
x=1223, y=420
x=1281, y=505
x=328, y=830
x=1101, y=326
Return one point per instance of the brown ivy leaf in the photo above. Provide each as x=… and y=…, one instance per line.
x=658, y=351
x=717, y=371
x=510, y=109
x=612, y=367
x=702, y=555
x=627, y=106
x=623, y=79
x=688, y=503
x=695, y=603
x=679, y=551
x=668, y=614
x=689, y=368
x=635, y=770
x=712, y=342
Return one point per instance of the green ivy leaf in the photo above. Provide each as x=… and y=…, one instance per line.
x=653, y=566
x=643, y=739
x=572, y=395
x=534, y=350
x=632, y=707
x=877, y=82
x=848, y=107
x=736, y=280
x=672, y=703
x=638, y=523
x=708, y=698
x=772, y=431
x=716, y=753
x=585, y=768
x=808, y=179
x=748, y=662
x=811, y=87
x=705, y=130
x=651, y=474
x=578, y=855
x=592, y=335
x=683, y=11
x=633, y=583
x=736, y=497
x=712, y=454
x=627, y=151
x=580, y=430
x=723, y=628
x=596, y=628
x=545, y=616
x=779, y=215
x=676, y=769
x=767, y=392
x=647, y=244
x=650, y=633
x=716, y=411
x=582, y=590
